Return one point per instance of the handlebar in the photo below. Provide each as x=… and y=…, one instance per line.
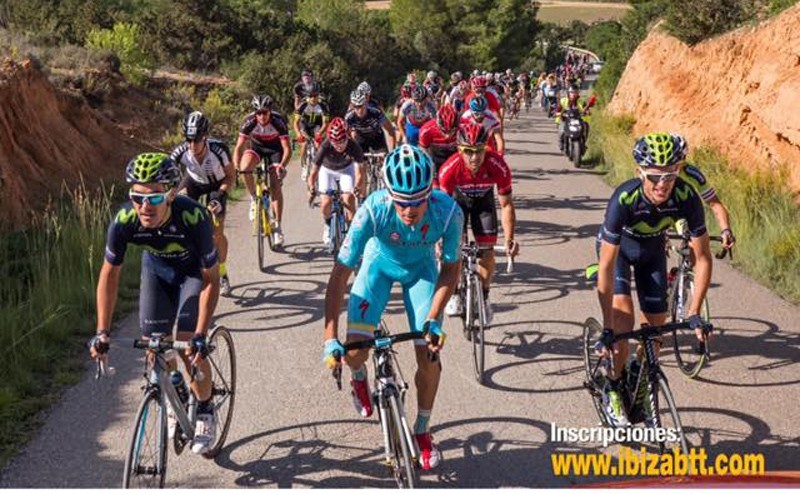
x=652, y=331
x=722, y=254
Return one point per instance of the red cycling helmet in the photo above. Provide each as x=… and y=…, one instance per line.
x=337, y=131
x=479, y=81
x=472, y=134
x=446, y=118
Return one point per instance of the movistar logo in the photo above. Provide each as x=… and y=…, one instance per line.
x=684, y=192
x=627, y=198
x=125, y=216
x=170, y=248
x=645, y=229
x=192, y=218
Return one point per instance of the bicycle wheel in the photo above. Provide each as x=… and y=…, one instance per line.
x=403, y=468
x=222, y=357
x=689, y=352
x=592, y=364
x=477, y=330
x=667, y=416
x=270, y=225
x=336, y=240
x=261, y=235
x=146, y=463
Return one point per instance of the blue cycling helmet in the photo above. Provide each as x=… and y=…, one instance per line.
x=478, y=104
x=408, y=173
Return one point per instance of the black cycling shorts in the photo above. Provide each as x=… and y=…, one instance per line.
x=649, y=262
x=480, y=213
x=372, y=143
x=167, y=294
x=269, y=153
x=196, y=190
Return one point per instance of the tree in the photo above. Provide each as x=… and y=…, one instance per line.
x=330, y=15
x=693, y=21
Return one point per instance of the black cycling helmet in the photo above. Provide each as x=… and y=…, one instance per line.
x=195, y=126
x=419, y=93
x=262, y=102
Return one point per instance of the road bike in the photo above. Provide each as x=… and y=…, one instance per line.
x=374, y=171
x=389, y=391
x=646, y=394
x=470, y=291
x=691, y=354
x=307, y=158
x=146, y=461
x=337, y=221
x=265, y=218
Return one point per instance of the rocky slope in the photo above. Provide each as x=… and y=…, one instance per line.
x=49, y=139
x=739, y=92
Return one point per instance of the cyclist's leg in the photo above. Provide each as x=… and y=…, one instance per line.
x=417, y=297
x=368, y=298
x=158, y=299
x=484, y=227
x=650, y=274
x=412, y=134
x=326, y=180
x=347, y=181
x=187, y=311
x=248, y=163
x=274, y=157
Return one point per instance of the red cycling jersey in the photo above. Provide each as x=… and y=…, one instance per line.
x=491, y=101
x=455, y=175
x=430, y=135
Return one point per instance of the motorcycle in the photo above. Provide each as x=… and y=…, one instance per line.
x=574, y=135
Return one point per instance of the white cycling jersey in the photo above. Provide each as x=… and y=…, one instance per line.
x=212, y=167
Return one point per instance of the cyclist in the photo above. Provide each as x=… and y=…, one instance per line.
x=478, y=113
x=269, y=140
x=550, y=92
x=180, y=275
x=338, y=158
x=570, y=102
x=438, y=138
x=470, y=176
x=366, y=90
x=433, y=84
x=405, y=95
x=414, y=114
x=310, y=119
x=479, y=85
x=638, y=213
x=457, y=97
x=368, y=125
x=208, y=172
x=396, y=231
x=455, y=80
x=301, y=89
x=692, y=175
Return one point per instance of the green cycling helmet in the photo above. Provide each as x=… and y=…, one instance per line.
x=659, y=149
x=150, y=168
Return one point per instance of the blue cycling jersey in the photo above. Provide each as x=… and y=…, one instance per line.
x=393, y=243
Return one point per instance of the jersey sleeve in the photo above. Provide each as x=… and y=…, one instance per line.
x=222, y=151
x=248, y=126
x=202, y=236
x=425, y=136
x=695, y=216
x=322, y=152
x=502, y=176
x=281, y=127
x=326, y=111
x=451, y=240
x=361, y=230
x=611, y=230
x=447, y=183
x=358, y=152
x=694, y=177
x=117, y=237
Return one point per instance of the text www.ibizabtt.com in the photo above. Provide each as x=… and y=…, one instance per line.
x=644, y=463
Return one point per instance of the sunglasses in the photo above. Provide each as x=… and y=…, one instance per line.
x=409, y=204
x=263, y=112
x=357, y=107
x=152, y=199
x=657, y=178
x=471, y=149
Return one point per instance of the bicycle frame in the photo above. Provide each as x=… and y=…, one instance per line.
x=374, y=171
x=337, y=218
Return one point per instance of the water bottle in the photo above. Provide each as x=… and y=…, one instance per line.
x=176, y=377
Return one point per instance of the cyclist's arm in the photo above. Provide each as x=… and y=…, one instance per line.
x=401, y=128
x=337, y=286
x=107, y=289
x=391, y=138
x=237, y=151
x=701, y=247
x=605, y=281
x=287, y=150
x=296, y=125
x=500, y=141
x=509, y=217
x=208, y=298
x=720, y=213
x=445, y=286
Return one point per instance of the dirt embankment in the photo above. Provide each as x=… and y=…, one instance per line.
x=49, y=138
x=739, y=93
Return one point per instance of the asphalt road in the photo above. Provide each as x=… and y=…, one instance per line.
x=291, y=428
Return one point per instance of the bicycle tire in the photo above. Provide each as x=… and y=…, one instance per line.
x=136, y=476
x=595, y=381
x=478, y=331
x=690, y=358
x=261, y=233
x=665, y=405
x=403, y=469
x=223, y=386
x=270, y=221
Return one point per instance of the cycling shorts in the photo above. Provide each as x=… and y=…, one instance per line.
x=372, y=289
x=649, y=262
x=481, y=214
x=167, y=294
x=412, y=134
x=271, y=154
x=309, y=129
x=196, y=190
x=372, y=143
x=327, y=179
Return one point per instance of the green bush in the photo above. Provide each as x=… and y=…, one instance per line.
x=125, y=41
x=693, y=21
x=47, y=307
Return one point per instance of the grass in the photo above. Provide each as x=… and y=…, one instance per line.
x=764, y=214
x=47, y=307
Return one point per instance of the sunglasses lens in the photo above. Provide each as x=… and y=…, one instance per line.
x=157, y=200
x=409, y=204
x=152, y=199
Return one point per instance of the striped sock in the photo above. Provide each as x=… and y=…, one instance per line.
x=360, y=374
x=423, y=418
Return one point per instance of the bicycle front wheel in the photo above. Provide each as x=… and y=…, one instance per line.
x=261, y=234
x=666, y=416
x=146, y=463
x=595, y=381
x=690, y=353
x=403, y=468
x=222, y=358
x=478, y=327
